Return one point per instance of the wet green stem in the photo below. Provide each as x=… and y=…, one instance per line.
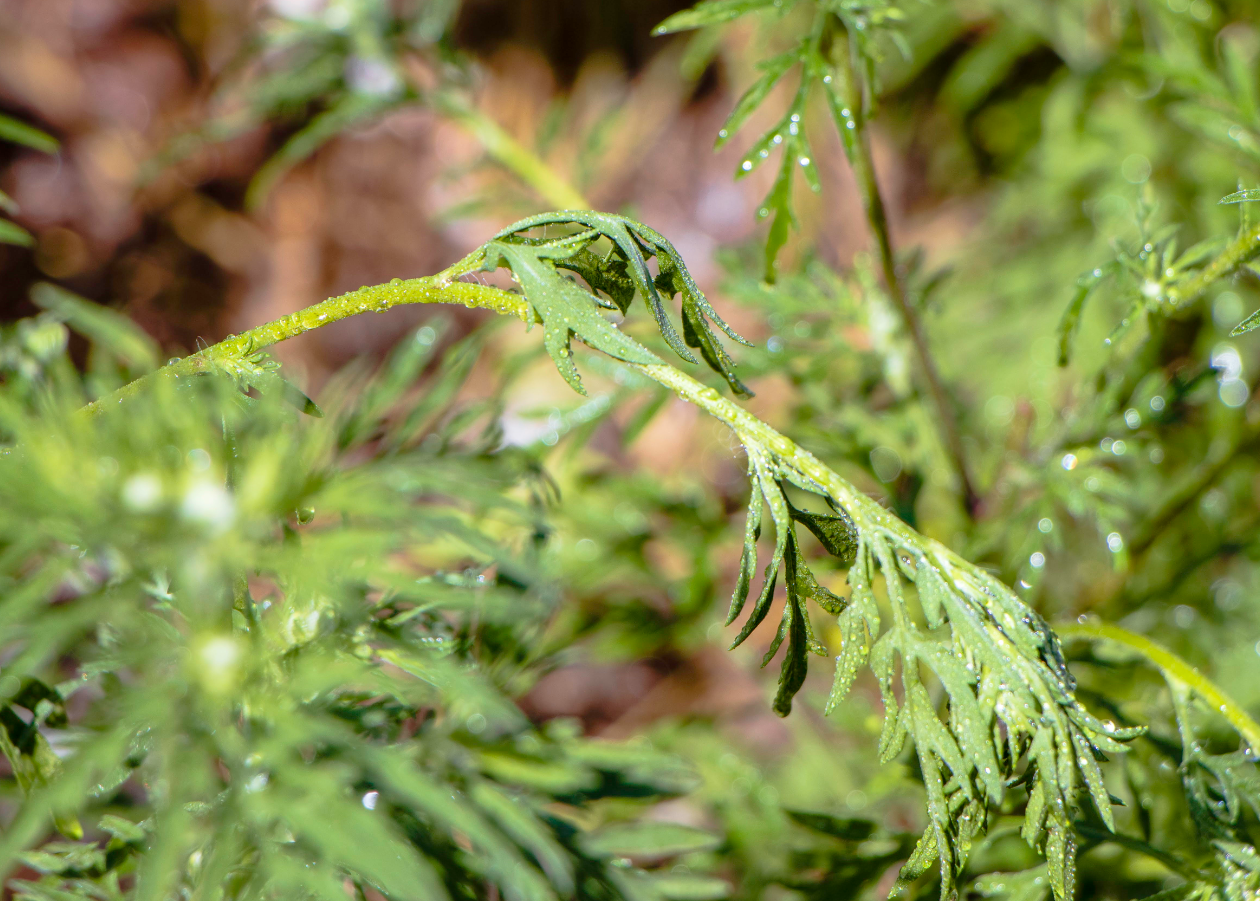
x=1173, y=668
x=863, y=162
x=1239, y=251
x=234, y=352
x=230, y=353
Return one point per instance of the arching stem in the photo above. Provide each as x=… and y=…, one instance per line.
x=1173, y=668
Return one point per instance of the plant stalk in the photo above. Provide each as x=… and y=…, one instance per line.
x=1241, y=250
x=858, y=144
x=231, y=353
x=234, y=353
x=1174, y=668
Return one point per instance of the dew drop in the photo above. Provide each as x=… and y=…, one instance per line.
x=746, y=165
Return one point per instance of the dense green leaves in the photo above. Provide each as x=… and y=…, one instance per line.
x=277, y=646
x=568, y=310
x=840, y=40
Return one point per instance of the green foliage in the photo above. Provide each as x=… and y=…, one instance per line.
x=386, y=581
x=13, y=131
x=289, y=666
x=567, y=310
x=829, y=48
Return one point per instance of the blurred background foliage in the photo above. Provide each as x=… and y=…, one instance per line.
x=201, y=167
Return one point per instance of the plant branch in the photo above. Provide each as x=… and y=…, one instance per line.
x=232, y=353
x=863, y=163
x=1241, y=250
x=1173, y=668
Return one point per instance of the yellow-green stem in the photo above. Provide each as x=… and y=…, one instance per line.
x=229, y=353
x=1173, y=667
x=1242, y=249
x=796, y=462
x=863, y=163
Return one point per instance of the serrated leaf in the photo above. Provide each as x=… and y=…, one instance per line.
x=1250, y=323
x=835, y=532
x=772, y=70
x=633, y=243
x=566, y=312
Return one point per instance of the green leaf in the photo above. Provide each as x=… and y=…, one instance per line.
x=21, y=133
x=1085, y=286
x=773, y=70
x=519, y=822
x=836, y=533
x=566, y=311
x=632, y=244
x=1249, y=324
x=690, y=887
x=748, y=559
x=846, y=829
x=715, y=12
x=647, y=840
x=1248, y=196
x=106, y=328
x=774, y=498
x=10, y=233
x=1028, y=885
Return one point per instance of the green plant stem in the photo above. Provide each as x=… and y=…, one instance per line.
x=230, y=353
x=1241, y=250
x=1174, y=668
x=863, y=163
x=233, y=353
x=515, y=156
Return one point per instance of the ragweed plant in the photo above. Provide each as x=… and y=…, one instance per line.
x=292, y=644
x=341, y=607
x=1012, y=717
